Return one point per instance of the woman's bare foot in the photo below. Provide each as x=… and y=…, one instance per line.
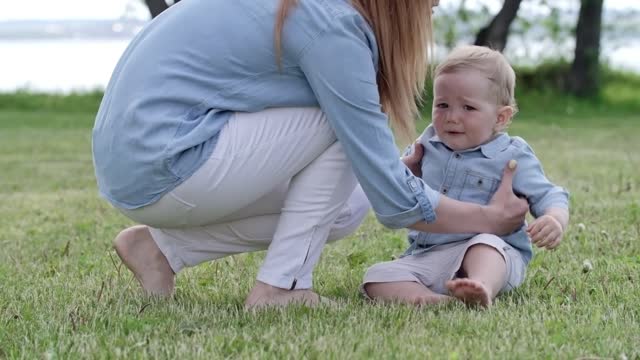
x=141, y=255
x=471, y=292
x=264, y=295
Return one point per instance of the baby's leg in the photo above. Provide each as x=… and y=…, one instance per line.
x=405, y=280
x=486, y=274
x=406, y=292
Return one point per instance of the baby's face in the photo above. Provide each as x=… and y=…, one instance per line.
x=465, y=112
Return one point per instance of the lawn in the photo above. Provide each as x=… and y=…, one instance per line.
x=64, y=294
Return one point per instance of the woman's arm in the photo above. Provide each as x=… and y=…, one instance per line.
x=346, y=89
x=340, y=68
x=504, y=214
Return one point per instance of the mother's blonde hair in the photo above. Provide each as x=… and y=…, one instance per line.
x=403, y=31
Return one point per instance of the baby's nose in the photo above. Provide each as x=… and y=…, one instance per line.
x=453, y=116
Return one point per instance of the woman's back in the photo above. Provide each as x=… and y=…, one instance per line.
x=182, y=77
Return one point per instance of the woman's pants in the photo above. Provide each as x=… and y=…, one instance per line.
x=277, y=180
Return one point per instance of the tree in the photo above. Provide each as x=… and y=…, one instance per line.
x=494, y=35
x=584, y=77
x=157, y=6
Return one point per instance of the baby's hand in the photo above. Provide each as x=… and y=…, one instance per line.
x=546, y=232
x=413, y=160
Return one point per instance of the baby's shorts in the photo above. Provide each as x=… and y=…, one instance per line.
x=433, y=268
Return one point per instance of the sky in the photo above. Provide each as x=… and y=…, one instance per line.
x=71, y=9
x=111, y=9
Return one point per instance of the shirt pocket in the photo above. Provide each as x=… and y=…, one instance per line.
x=478, y=188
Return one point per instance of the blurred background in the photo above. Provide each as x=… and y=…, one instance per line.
x=73, y=45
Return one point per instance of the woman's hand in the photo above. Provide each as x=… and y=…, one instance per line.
x=506, y=212
x=414, y=160
x=503, y=215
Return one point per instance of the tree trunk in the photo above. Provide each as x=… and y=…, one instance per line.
x=584, y=78
x=157, y=6
x=495, y=34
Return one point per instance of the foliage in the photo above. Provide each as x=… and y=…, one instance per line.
x=542, y=87
x=545, y=85
x=543, y=31
x=75, y=102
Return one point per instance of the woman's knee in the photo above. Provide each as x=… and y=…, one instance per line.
x=359, y=205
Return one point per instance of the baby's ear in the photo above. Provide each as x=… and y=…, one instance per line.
x=505, y=114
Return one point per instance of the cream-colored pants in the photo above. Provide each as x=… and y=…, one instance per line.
x=277, y=180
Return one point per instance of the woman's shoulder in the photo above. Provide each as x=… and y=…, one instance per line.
x=329, y=22
x=334, y=8
x=328, y=14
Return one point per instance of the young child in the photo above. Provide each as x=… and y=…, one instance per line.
x=463, y=154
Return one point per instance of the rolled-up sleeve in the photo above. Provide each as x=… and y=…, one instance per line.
x=531, y=181
x=339, y=66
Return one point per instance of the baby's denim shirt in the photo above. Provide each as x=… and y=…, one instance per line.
x=473, y=175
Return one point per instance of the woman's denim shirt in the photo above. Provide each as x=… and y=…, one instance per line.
x=474, y=175
x=188, y=70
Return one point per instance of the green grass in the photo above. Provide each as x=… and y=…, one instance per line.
x=63, y=293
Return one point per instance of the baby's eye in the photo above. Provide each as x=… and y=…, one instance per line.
x=442, y=105
x=469, y=108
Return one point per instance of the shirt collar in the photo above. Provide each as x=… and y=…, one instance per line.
x=489, y=150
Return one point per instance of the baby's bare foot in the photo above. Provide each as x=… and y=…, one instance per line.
x=264, y=295
x=432, y=299
x=471, y=292
x=141, y=255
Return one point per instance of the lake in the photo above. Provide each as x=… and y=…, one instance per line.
x=58, y=65
x=64, y=65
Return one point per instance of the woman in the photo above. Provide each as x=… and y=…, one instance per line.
x=222, y=138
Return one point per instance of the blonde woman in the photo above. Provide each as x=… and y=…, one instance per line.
x=236, y=126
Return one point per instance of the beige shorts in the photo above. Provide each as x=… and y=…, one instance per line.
x=435, y=267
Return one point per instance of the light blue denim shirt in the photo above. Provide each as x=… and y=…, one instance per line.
x=184, y=74
x=473, y=175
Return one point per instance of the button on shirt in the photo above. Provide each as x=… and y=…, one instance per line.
x=188, y=70
x=474, y=175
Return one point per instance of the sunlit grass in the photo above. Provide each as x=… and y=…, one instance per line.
x=64, y=294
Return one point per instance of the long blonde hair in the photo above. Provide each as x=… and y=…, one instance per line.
x=404, y=35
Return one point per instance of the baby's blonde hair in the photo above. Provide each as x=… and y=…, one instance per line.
x=489, y=62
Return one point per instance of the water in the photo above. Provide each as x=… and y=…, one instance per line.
x=58, y=65
x=65, y=65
